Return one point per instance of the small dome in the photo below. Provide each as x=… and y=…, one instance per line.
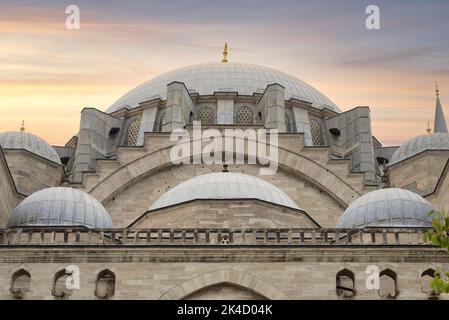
x=207, y=78
x=30, y=142
x=392, y=207
x=434, y=141
x=60, y=207
x=224, y=185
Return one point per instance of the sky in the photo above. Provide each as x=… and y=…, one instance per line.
x=49, y=73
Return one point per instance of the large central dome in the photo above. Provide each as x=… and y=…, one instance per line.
x=205, y=79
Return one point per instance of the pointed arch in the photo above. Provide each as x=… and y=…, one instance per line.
x=60, y=291
x=425, y=283
x=225, y=276
x=20, y=283
x=388, y=284
x=335, y=186
x=105, y=284
x=345, y=283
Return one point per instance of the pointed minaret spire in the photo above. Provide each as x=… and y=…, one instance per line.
x=440, y=122
x=225, y=53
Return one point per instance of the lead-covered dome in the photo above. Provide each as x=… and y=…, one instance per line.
x=208, y=78
x=60, y=206
x=433, y=141
x=29, y=142
x=392, y=207
x=224, y=185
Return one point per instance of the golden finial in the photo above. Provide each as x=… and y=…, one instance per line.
x=428, y=127
x=225, y=53
x=22, y=128
x=437, y=91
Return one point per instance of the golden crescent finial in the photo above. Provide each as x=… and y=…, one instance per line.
x=428, y=127
x=225, y=53
x=437, y=91
x=22, y=128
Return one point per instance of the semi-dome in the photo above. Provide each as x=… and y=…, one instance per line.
x=392, y=207
x=433, y=141
x=208, y=78
x=29, y=142
x=224, y=185
x=60, y=206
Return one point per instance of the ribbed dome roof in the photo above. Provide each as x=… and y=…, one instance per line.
x=224, y=185
x=391, y=207
x=30, y=142
x=433, y=141
x=208, y=78
x=60, y=206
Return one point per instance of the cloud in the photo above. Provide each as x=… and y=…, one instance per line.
x=385, y=58
x=48, y=70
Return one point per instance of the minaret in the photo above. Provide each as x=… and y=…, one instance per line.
x=225, y=53
x=440, y=121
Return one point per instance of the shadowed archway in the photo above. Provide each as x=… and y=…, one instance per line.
x=189, y=288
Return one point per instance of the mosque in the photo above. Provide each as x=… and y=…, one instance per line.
x=110, y=212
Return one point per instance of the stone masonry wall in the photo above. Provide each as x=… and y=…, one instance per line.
x=310, y=273
x=31, y=173
x=125, y=207
x=225, y=214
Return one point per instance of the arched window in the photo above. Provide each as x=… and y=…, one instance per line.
x=388, y=284
x=207, y=115
x=426, y=279
x=105, y=286
x=161, y=122
x=345, y=284
x=244, y=116
x=133, y=132
x=315, y=129
x=20, y=283
x=60, y=289
x=190, y=117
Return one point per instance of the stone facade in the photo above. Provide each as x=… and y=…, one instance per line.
x=219, y=248
x=222, y=214
x=151, y=274
x=133, y=201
